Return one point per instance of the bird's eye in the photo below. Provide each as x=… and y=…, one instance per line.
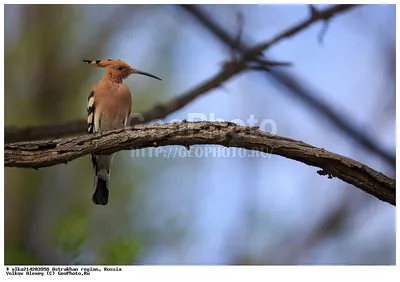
x=120, y=68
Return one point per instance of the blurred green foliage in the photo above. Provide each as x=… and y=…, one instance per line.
x=19, y=257
x=70, y=232
x=119, y=251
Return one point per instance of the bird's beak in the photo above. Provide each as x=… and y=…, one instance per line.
x=133, y=71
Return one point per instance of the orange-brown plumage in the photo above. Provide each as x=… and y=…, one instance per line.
x=109, y=106
x=112, y=105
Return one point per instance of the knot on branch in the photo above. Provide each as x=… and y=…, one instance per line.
x=232, y=66
x=323, y=172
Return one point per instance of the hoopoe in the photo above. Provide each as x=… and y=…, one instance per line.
x=109, y=106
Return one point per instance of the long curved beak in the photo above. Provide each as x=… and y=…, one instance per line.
x=133, y=71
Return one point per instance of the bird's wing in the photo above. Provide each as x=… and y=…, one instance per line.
x=91, y=109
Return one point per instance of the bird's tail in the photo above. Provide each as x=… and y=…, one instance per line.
x=102, y=165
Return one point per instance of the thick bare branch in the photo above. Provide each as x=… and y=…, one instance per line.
x=47, y=153
x=14, y=134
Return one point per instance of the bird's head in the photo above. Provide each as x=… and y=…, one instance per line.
x=117, y=68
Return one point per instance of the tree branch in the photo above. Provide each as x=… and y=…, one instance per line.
x=47, y=153
x=15, y=134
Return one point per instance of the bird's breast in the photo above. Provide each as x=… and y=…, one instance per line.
x=114, y=103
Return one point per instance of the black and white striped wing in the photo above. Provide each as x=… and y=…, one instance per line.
x=90, y=111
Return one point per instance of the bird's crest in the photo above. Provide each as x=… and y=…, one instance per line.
x=106, y=63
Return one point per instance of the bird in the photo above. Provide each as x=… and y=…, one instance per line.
x=108, y=107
